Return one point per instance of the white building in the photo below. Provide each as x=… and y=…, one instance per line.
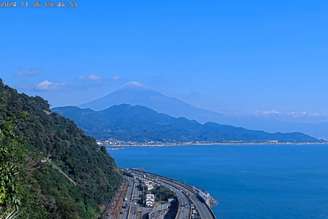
x=150, y=200
x=149, y=185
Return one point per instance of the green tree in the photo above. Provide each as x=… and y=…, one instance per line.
x=33, y=141
x=10, y=164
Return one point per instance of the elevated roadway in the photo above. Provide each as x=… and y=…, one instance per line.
x=186, y=195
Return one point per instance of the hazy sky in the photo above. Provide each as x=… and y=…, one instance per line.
x=236, y=55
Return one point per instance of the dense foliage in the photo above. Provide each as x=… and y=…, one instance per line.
x=162, y=194
x=137, y=123
x=55, y=169
x=11, y=154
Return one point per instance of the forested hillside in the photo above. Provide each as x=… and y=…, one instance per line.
x=137, y=123
x=49, y=168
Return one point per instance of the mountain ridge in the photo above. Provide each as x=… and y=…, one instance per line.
x=139, y=123
x=139, y=95
x=136, y=95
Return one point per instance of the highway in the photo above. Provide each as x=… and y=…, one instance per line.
x=187, y=197
x=127, y=204
x=184, y=209
x=201, y=207
x=126, y=210
x=131, y=209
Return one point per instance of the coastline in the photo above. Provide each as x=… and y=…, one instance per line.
x=225, y=172
x=184, y=144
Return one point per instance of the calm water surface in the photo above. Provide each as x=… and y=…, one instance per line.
x=283, y=182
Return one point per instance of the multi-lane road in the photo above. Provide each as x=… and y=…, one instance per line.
x=190, y=205
x=185, y=206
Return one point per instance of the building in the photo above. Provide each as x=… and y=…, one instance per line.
x=149, y=185
x=150, y=200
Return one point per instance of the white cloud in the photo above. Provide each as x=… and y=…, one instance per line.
x=294, y=115
x=268, y=113
x=303, y=114
x=47, y=85
x=134, y=84
x=91, y=77
x=116, y=78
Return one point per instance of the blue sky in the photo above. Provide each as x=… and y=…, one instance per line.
x=232, y=56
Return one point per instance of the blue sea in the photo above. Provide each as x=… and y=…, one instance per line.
x=249, y=181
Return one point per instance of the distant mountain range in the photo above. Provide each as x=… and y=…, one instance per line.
x=137, y=95
x=137, y=123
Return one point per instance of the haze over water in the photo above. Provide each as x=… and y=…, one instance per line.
x=249, y=181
